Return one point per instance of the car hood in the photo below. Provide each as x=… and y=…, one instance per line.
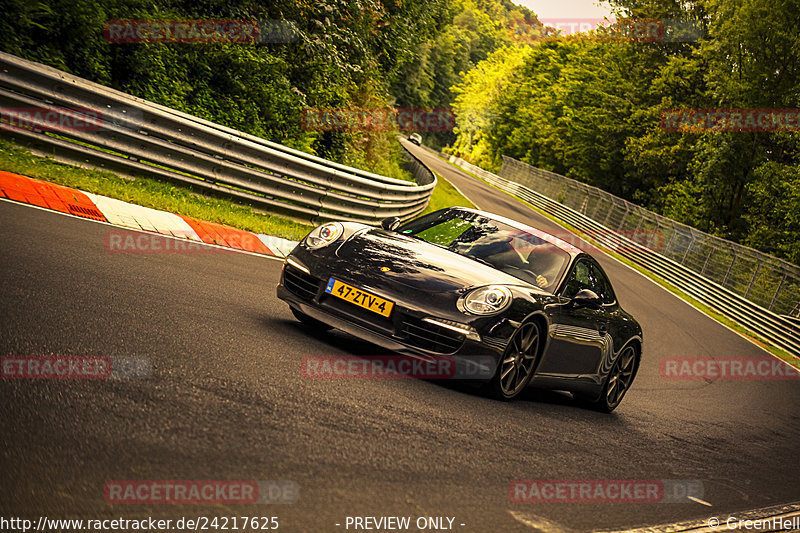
x=398, y=259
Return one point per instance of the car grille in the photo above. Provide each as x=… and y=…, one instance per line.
x=430, y=336
x=356, y=313
x=413, y=331
x=299, y=283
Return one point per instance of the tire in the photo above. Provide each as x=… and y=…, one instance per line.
x=618, y=381
x=519, y=362
x=311, y=323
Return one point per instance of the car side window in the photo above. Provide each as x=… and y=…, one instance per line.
x=602, y=285
x=586, y=275
x=580, y=278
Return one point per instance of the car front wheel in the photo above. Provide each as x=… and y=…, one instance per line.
x=518, y=363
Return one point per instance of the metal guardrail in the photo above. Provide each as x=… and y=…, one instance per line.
x=761, y=278
x=132, y=136
x=781, y=331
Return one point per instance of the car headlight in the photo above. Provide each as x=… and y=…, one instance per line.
x=486, y=300
x=324, y=235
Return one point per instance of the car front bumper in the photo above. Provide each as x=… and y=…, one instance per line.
x=403, y=333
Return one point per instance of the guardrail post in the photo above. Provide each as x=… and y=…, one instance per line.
x=624, y=217
x=686, y=253
x=753, y=279
x=641, y=220
x=597, y=207
x=730, y=268
x=608, y=215
x=671, y=237
x=708, y=257
x=654, y=236
x=649, y=242
x=778, y=291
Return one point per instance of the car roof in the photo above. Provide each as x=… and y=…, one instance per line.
x=555, y=241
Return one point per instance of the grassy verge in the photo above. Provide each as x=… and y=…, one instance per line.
x=148, y=193
x=175, y=199
x=778, y=352
x=445, y=195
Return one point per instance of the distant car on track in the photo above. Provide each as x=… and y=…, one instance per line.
x=415, y=138
x=464, y=282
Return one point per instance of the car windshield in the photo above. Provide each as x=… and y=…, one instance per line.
x=523, y=254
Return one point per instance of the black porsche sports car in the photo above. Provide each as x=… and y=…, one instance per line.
x=466, y=282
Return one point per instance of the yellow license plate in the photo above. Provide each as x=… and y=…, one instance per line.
x=346, y=292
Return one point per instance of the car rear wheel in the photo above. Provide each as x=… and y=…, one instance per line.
x=618, y=382
x=518, y=363
x=311, y=323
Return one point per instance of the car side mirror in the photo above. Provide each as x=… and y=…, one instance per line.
x=391, y=223
x=587, y=298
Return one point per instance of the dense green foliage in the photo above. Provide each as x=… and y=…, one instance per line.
x=362, y=54
x=471, y=32
x=345, y=54
x=590, y=108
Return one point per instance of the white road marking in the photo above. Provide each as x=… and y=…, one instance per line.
x=539, y=523
x=278, y=245
x=135, y=216
x=698, y=500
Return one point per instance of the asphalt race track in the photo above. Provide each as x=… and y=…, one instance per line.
x=227, y=401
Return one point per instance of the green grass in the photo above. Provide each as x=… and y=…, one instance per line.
x=445, y=195
x=165, y=196
x=778, y=352
x=148, y=193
